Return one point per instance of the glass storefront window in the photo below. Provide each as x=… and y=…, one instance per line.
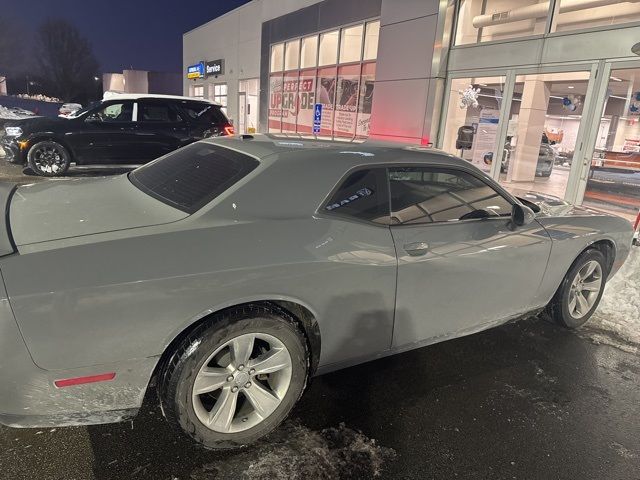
x=275, y=103
x=614, y=176
x=371, y=40
x=347, y=91
x=472, y=126
x=197, y=91
x=311, y=76
x=328, y=48
x=351, y=44
x=487, y=20
x=367, y=83
x=218, y=93
x=309, y=52
x=544, y=120
x=277, y=57
x=289, y=101
x=578, y=14
x=292, y=55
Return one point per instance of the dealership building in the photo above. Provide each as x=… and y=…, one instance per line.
x=542, y=95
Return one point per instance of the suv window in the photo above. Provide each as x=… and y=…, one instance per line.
x=192, y=176
x=157, y=112
x=426, y=195
x=363, y=195
x=203, y=113
x=114, y=112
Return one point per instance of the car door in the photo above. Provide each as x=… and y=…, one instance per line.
x=461, y=264
x=107, y=135
x=161, y=129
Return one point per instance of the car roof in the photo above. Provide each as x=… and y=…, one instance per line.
x=137, y=96
x=353, y=152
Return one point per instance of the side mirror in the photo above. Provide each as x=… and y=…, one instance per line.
x=521, y=215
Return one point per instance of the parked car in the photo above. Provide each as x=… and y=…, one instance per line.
x=69, y=109
x=544, y=167
x=231, y=270
x=123, y=129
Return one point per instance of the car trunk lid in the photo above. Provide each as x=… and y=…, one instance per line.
x=58, y=209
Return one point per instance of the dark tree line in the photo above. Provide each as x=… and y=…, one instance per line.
x=62, y=65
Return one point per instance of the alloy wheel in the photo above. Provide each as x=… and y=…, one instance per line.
x=242, y=382
x=585, y=289
x=49, y=159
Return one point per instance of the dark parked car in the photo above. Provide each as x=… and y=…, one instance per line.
x=546, y=158
x=123, y=129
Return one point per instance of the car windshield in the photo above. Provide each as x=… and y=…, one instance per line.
x=192, y=176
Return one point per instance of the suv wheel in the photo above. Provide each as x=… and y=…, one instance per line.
x=48, y=159
x=233, y=380
x=580, y=291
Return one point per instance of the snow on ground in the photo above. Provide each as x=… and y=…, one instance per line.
x=617, y=320
x=295, y=452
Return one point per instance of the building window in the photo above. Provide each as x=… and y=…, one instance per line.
x=292, y=55
x=277, y=57
x=371, y=40
x=312, y=77
x=487, y=20
x=220, y=95
x=328, y=48
x=571, y=15
x=197, y=91
x=309, y=52
x=351, y=44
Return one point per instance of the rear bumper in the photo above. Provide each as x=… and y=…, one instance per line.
x=30, y=398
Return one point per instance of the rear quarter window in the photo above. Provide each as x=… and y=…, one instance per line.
x=203, y=113
x=192, y=176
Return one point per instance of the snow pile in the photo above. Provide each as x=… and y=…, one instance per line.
x=617, y=319
x=42, y=98
x=295, y=452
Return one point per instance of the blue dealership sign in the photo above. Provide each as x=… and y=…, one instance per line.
x=317, y=118
x=195, y=71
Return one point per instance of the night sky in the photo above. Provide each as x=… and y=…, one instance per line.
x=143, y=34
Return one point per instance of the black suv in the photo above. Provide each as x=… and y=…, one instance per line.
x=122, y=129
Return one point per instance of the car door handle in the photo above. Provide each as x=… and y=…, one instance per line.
x=416, y=249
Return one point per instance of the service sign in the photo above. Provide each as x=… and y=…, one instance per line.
x=215, y=67
x=196, y=71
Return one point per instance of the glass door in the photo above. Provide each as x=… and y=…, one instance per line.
x=611, y=179
x=471, y=120
x=545, y=123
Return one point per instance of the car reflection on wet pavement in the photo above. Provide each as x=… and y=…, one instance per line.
x=527, y=400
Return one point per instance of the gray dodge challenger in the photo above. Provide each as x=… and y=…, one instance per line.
x=229, y=272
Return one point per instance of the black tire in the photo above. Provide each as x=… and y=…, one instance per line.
x=558, y=308
x=177, y=380
x=56, y=163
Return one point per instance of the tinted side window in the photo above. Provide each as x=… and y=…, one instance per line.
x=192, y=176
x=203, y=113
x=363, y=195
x=426, y=195
x=114, y=112
x=157, y=112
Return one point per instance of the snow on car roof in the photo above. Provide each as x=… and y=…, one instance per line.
x=109, y=95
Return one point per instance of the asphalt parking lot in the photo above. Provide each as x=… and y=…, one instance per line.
x=523, y=401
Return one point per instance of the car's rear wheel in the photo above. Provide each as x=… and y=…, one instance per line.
x=236, y=378
x=48, y=159
x=580, y=291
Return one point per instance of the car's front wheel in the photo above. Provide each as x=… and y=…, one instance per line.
x=236, y=378
x=580, y=291
x=48, y=159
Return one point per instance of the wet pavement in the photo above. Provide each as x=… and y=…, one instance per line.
x=523, y=401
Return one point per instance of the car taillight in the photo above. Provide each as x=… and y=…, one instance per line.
x=228, y=130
